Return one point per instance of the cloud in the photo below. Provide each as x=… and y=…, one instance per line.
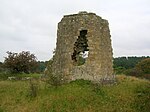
x=32, y=24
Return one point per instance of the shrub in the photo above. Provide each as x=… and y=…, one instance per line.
x=142, y=69
x=144, y=66
x=133, y=72
x=119, y=70
x=5, y=75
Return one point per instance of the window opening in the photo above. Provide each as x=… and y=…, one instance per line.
x=81, y=50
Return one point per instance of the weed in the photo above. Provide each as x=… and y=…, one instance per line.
x=33, y=89
x=1, y=110
x=142, y=98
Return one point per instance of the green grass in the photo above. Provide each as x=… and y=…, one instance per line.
x=4, y=76
x=34, y=75
x=128, y=95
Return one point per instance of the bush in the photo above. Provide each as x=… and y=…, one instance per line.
x=133, y=72
x=5, y=75
x=142, y=69
x=144, y=66
x=119, y=70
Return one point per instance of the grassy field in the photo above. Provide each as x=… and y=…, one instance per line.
x=4, y=76
x=128, y=95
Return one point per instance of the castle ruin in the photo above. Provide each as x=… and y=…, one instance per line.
x=83, y=49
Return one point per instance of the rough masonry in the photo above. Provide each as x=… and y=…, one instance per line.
x=83, y=49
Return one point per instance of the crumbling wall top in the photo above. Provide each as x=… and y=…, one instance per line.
x=80, y=14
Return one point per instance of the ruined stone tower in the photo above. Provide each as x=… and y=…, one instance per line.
x=83, y=48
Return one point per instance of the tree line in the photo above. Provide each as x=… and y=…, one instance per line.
x=127, y=62
x=133, y=66
x=26, y=62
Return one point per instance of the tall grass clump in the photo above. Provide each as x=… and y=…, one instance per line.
x=33, y=88
x=142, y=98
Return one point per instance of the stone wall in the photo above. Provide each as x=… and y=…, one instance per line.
x=77, y=34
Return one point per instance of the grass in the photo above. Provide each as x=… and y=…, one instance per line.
x=4, y=76
x=33, y=75
x=128, y=95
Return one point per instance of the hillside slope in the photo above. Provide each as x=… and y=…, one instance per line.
x=128, y=95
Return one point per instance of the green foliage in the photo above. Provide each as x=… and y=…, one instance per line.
x=80, y=46
x=144, y=66
x=41, y=66
x=1, y=67
x=142, y=69
x=1, y=110
x=132, y=66
x=4, y=72
x=129, y=95
x=5, y=75
x=127, y=62
x=21, y=62
x=119, y=70
x=80, y=61
x=98, y=89
x=142, y=98
x=133, y=72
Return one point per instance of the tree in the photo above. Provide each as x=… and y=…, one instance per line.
x=1, y=66
x=144, y=66
x=21, y=62
x=142, y=69
x=41, y=66
x=127, y=62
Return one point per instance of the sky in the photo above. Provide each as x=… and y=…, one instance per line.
x=31, y=25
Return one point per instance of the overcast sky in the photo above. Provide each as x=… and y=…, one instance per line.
x=31, y=25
